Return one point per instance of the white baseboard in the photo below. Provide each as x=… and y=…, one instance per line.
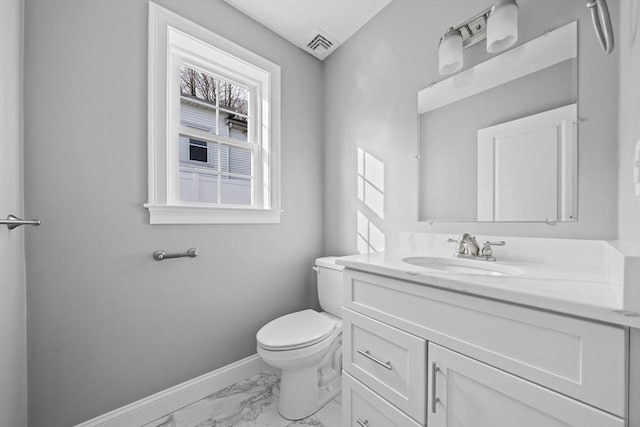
x=160, y=404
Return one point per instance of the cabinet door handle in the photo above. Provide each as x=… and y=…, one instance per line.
x=361, y=423
x=386, y=365
x=434, y=399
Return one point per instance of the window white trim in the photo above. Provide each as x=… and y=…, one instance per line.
x=200, y=214
x=173, y=38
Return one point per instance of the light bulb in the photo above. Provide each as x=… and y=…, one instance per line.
x=450, y=52
x=502, y=26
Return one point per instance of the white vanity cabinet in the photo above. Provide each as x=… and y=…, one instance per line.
x=444, y=358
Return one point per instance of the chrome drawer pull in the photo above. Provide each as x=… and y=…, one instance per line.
x=386, y=365
x=364, y=423
x=434, y=399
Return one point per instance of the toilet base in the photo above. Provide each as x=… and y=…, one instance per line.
x=300, y=395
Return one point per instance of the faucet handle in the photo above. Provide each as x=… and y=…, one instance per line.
x=487, y=250
x=461, y=249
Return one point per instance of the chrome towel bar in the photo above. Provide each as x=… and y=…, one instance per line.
x=160, y=254
x=13, y=221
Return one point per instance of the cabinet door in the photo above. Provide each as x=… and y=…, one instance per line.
x=466, y=393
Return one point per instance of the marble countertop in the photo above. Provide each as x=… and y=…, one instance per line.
x=583, y=292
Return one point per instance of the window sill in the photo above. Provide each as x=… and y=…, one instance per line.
x=183, y=214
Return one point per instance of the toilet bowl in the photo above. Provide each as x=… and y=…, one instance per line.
x=306, y=346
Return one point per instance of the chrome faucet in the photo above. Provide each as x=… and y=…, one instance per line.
x=468, y=247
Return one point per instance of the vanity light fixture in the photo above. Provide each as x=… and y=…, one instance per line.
x=450, y=52
x=502, y=26
x=497, y=24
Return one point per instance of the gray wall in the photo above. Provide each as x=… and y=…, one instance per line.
x=629, y=48
x=629, y=132
x=13, y=301
x=371, y=86
x=107, y=324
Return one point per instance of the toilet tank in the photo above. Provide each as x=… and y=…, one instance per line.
x=329, y=285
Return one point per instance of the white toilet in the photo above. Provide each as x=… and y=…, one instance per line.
x=307, y=347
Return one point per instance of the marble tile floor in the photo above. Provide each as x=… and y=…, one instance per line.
x=249, y=403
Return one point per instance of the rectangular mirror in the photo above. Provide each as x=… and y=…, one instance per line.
x=498, y=141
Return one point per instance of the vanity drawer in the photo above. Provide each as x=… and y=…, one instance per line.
x=389, y=361
x=363, y=408
x=579, y=358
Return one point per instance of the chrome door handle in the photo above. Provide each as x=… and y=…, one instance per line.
x=361, y=423
x=434, y=399
x=13, y=221
x=386, y=365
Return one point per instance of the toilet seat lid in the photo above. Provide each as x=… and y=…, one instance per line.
x=295, y=330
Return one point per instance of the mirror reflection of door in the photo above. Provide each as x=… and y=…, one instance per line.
x=526, y=168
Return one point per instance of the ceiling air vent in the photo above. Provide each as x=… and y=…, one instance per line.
x=320, y=42
x=321, y=45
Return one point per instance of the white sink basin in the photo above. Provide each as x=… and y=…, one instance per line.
x=463, y=266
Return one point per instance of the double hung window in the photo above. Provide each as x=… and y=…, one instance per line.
x=216, y=151
x=214, y=127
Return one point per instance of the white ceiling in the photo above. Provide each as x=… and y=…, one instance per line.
x=299, y=21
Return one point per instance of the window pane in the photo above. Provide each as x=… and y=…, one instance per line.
x=198, y=100
x=235, y=191
x=207, y=188
x=234, y=97
x=198, y=171
x=237, y=127
x=240, y=161
x=197, y=185
x=198, y=115
x=183, y=147
x=214, y=155
x=197, y=85
x=224, y=158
